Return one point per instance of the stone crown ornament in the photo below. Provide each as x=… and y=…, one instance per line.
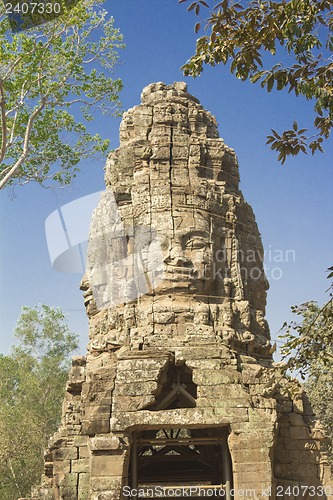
x=173, y=222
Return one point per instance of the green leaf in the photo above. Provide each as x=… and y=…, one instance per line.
x=192, y=6
x=255, y=77
x=270, y=83
x=241, y=35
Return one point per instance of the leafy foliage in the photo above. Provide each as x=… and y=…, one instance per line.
x=32, y=383
x=320, y=391
x=308, y=348
x=247, y=34
x=310, y=341
x=52, y=80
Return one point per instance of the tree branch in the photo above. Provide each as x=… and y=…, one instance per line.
x=16, y=112
x=24, y=154
x=3, y=122
x=14, y=476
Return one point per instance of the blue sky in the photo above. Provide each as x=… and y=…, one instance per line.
x=293, y=204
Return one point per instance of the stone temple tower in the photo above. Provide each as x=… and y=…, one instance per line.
x=178, y=394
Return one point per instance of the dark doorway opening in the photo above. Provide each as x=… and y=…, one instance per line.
x=190, y=459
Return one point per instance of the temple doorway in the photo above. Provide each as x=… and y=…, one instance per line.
x=181, y=463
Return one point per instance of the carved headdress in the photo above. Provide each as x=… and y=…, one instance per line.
x=173, y=226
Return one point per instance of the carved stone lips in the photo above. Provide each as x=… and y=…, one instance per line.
x=179, y=273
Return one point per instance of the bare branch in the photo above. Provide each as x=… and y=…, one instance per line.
x=74, y=101
x=18, y=105
x=23, y=94
x=24, y=154
x=5, y=170
x=14, y=476
x=3, y=122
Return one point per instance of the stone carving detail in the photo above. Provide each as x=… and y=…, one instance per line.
x=175, y=287
x=173, y=175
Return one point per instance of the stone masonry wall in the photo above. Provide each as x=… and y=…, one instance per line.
x=175, y=281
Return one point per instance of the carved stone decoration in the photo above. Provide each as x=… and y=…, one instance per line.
x=178, y=386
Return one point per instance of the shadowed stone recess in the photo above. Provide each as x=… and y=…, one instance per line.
x=175, y=292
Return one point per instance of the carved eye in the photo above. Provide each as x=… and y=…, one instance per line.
x=164, y=244
x=196, y=243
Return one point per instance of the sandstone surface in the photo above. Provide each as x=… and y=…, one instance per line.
x=178, y=386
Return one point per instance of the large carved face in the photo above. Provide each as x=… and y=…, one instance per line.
x=173, y=254
x=186, y=242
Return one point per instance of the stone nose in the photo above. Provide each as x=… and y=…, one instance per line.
x=176, y=255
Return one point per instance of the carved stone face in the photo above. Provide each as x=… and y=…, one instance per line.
x=187, y=250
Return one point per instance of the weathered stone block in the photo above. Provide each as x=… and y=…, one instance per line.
x=296, y=444
x=84, y=452
x=251, y=455
x=107, y=465
x=69, y=453
x=283, y=456
x=260, y=415
x=105, y=443
x=101, y=483
x=136, y=375
x=131, y=403
x=97, y=389
x=81, y=440
x=251, y=373
x=96, y=410
x=284, y=407
x=68, y=486
x=96, y=426
x=188, y=353
x=296, y=419
x=299, y=432
x=144, y=364
x=101, y=373
x=205, y=364
x=137, y=388
x=80, y=465
x=61, y=467
x=254, y=471
x=213, y=377
x=224, y=391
